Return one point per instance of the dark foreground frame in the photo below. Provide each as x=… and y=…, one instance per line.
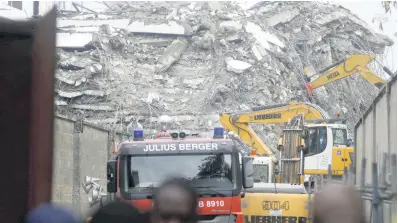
x=27, y=62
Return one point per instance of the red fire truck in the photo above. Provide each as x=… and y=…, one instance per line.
x=211, y=165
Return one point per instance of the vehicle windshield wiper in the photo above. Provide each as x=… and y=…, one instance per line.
x=210, y=189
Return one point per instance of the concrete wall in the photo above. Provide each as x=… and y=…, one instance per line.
x=79, y=150
x=376, y=135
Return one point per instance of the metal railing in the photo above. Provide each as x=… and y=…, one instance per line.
x=380, y=194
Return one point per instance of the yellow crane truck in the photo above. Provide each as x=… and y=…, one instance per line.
x=285, y=199
x=325, y=138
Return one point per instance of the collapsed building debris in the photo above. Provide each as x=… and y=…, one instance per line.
x=150, y=60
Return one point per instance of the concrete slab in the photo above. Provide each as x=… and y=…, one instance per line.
x=273, y=39
x=12, y=13
x=117, y=23
x=237, y=66
x=73, y=40
x=258, y=34
x=324, y=19
x=234, y=25
x=283, y=17
x=258, y=51
x=93, y=107
x=172, y=28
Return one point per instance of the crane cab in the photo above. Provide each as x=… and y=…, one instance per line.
x=326, y=144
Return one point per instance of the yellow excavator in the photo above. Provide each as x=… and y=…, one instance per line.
x=326, y=138
x=285, y=199
x=351, y=65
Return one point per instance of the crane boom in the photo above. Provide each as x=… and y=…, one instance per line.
x=273, y=114
x=347, y=67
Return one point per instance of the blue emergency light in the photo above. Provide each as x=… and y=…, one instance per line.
x=218, y=133
x=138, y=135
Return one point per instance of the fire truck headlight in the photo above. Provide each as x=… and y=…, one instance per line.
x=174, y=135
x=182, y=135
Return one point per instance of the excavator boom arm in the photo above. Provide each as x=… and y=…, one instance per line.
x=352, y=65
x=371, y=77
x=274, y=114
x=246, y=134
x=280, y=114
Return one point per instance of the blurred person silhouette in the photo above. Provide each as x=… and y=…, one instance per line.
x=174, y=202
x=338, y=203
x=117, y=212
x=49, y=213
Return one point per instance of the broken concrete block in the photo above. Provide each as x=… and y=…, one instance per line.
x=283, y=17
x=258, y=51
x=73, y=40
x=193, y=83
x=214, y=6
x=273, y=39
x=91, y=16
x=205, y=42
x=90, y=29
x=263, y=37
x=329, y=17
x=235, y=38
x=172, y=28
x=152, y=96
x=237, y=66
x=192, y=6
x=93, y=69
x=75, y=94
x=93, y=107
x=230, y=26
x=75, y=82
x=117, y=23
x=172, y=14
x=165, y=119
x=12, y=13
x=96, y=93
x=387, y=40
x=60, y=103
x=258, y=34
x=224, y=16
x=155, y=42
x=69, y=94
x=171, y=54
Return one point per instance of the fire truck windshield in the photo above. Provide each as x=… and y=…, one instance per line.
x=202, y=170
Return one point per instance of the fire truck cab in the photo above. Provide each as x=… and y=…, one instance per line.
x=211, y=165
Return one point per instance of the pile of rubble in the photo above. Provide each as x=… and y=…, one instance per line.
x=183, y=62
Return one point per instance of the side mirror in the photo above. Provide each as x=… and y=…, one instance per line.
x=111, y=176
x=349, y=142
x=247, y=172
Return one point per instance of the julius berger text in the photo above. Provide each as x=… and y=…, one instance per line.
x=180, y=147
